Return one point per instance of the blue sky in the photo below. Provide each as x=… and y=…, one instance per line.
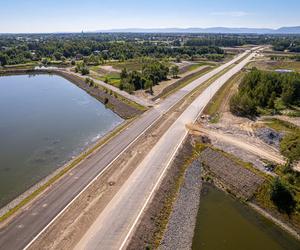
x=91, y=15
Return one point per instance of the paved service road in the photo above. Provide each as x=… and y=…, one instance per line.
x=115, y=224
x=26, y=227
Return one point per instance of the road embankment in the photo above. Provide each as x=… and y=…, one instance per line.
x=234, y=178
x=181, y=82
x=180, y=229
x=150, y=230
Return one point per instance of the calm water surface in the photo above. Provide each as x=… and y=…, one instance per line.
x=223, y=223
x=44, y=121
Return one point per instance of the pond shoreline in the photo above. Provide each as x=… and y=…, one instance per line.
x=230, y=187
x=225, y=222
x=39, y=188
x=119, y=107
x=24, y=199
x=171, y=232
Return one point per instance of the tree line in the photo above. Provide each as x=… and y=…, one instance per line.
x=153, y=72
x=16, y=49
x=291, y=44
x=260, y=89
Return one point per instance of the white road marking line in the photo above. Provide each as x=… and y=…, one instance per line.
x=105, y=168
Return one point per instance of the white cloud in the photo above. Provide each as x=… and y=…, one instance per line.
x=231, y=13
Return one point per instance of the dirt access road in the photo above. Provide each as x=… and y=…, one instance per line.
x=254, y=148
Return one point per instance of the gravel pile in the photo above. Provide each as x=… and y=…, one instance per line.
x=180, y=229
x=269, y=136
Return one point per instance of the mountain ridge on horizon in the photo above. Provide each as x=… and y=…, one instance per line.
x=281, y=30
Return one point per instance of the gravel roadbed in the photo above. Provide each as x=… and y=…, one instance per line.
x=180, y=229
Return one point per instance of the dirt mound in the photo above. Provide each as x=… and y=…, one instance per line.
x=269, y=136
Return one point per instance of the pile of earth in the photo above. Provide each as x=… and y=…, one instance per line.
x=269, y=136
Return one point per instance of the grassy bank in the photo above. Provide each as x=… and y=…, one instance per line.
x=181, y=83
x=113, y=78
x=273, y=65
x=214, y=106
x=120, y=105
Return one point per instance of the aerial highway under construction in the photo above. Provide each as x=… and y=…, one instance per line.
x=123, y=212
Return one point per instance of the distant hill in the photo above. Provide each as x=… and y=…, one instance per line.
x=215, y=30
x=289, y=30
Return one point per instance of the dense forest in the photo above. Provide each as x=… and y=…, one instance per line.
x=291, y=44
x=263, y=90
x=227, y=40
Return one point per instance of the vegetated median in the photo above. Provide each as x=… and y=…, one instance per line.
x=213, y=109
x=181, y=83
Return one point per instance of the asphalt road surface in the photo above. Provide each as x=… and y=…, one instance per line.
x=27, y=226
x=116, y=223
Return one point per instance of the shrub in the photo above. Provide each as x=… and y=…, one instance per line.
x=242, y=105
x=92, y=83
x=282, y=197
x=290, y=146
x=82, y=68
x=106, y=100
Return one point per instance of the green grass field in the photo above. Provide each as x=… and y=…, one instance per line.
x=112, y=78
x=273, y=65
x=213, y=109
x=282, y=126
x=134, y=64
